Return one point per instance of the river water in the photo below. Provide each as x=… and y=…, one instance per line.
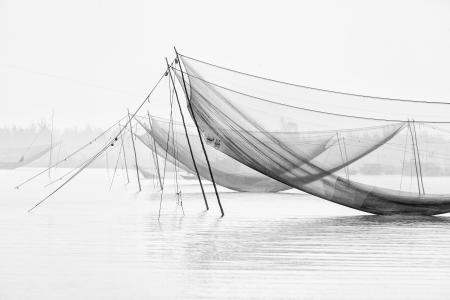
x=87, y=242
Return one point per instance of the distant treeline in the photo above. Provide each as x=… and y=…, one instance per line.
x=393, y=158
x=16, y=141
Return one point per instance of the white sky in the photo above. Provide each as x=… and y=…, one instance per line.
x=89, y=59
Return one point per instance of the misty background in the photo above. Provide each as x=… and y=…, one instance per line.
x=89, y=61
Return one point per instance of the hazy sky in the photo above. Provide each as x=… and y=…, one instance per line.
x=89, y=59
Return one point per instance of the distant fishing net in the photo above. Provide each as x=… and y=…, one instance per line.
x=258, y=123
x=227, y=171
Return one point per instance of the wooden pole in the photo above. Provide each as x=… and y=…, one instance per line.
x=134, y=149
x=199, y=134
x=187, y=135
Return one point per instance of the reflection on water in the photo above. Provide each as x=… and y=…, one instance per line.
x=93, y=244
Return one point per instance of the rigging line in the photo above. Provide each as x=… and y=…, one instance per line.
x=70, y=155
x=342, y=156
x=69, y=79
x=410, y=169
x=167, y=150
x=418, y=156
x=403, y=163
x=187, y=138
x=124, y=157
x=85, y=165
x=115, y=168
x=304, y=108
x=134, y=150
x=310, y=132
x=32, y=143
x=199, y=133
x=62, y=177
x=154, y=171
x=414, y=154
x=171, y=126
x=107, y=164
x=319, y=89
x=156, y=158
x=257, y=126
x=146, y=134
x=346, y=158
x=179, y=199
x=165, y=120
x=103, y=149
x=168, y=132
x=175, y=156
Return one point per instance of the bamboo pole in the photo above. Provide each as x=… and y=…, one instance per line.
x=199, y=134
x=187, y=135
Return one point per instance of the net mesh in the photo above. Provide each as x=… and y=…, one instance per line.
x=227, y=171
x=258, y=122
x=9, y=159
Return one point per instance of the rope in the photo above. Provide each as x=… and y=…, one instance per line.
x=418, y=156
x=155, y=155
x=188, y=98
x=304, y=108
x=415, y=160
x=167, y=150
x=175, y=153
x=102, y=150
x=318, y=89
x=62, y=177
x=179, y=198
x=403, y=164
x=85, y=165
x=70, y=155
x=32, y=143
x=342, y=156
x=117, y=163
x=124, y=157
x=346, y=159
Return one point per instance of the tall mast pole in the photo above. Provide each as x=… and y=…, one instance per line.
x=187, y=135
x=134, y=149
x=199, y=133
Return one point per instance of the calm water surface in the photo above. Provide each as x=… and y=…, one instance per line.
x=91, y=243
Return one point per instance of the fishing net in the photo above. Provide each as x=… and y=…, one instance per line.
x=260, y=123
x=227, y=171
x=9, y=156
